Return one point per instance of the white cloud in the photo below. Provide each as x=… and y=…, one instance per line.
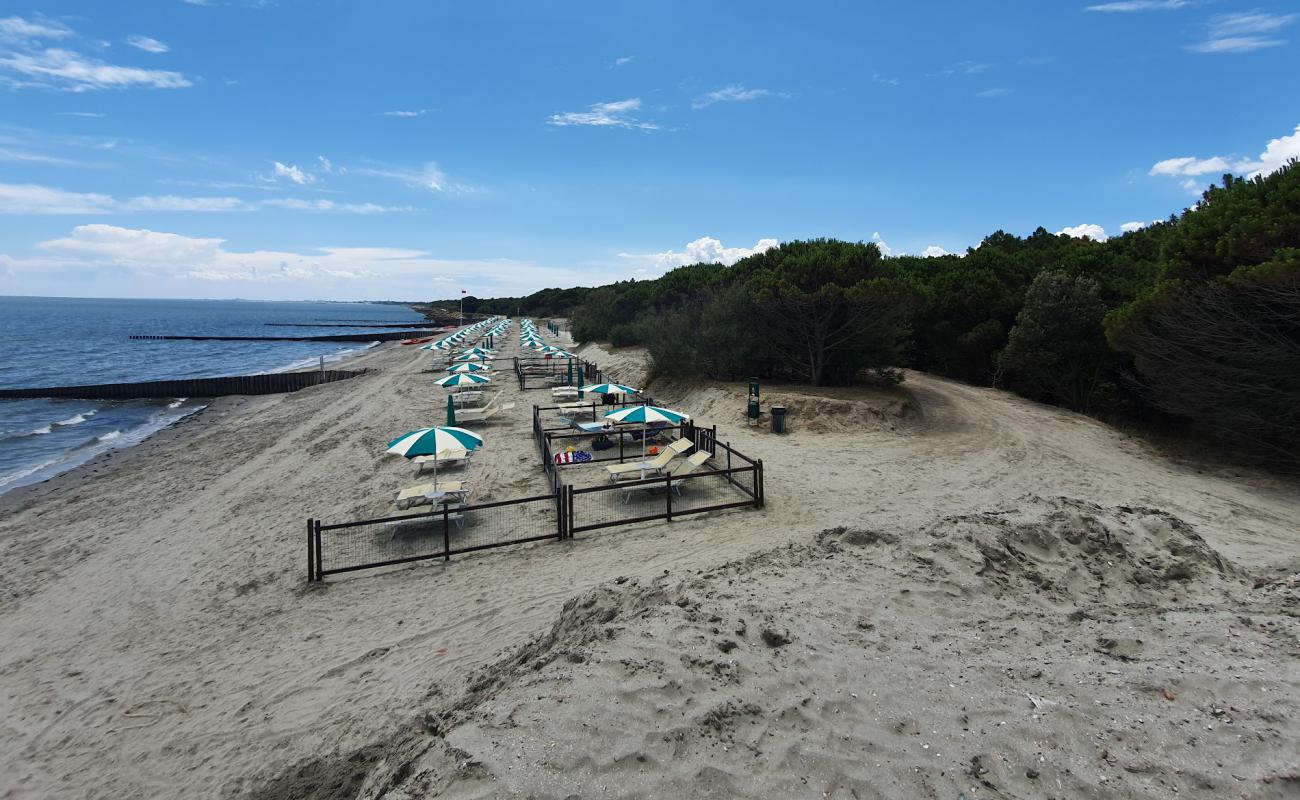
x=617, y=114
x=174, y=203
x=419, y=112
x=147, y=44
x=1129, y=227
x=705, y=250
x=427, y=176
x=293, y=173
x=31, y=199
x=734, y=94
x=17, y=29
x=1243, y=32
x=171, y=264
x=65, y=69
x=24, y=157
x=934, y=251
x=1277, y=152
x=618, y=62
x=1188, y=165
x=331, y=206
x=1094, y=232
x=991, y=93
x=86, y=114
x=885, y=80
x=43, y=200
x=885, y=249
x=1140, y=5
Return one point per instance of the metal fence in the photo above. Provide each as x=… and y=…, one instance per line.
x=663, y=498
x=430, y=532
x=535, y=372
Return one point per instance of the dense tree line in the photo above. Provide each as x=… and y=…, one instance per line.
x=1196, y=318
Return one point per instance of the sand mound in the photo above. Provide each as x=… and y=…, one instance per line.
x=845, y=410
x=1067, y=552
x=887, y=664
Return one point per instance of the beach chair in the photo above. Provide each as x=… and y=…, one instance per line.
x=481, y=414
x=415, y=495
x=424, y=519
x=635, y=469
x=684, y=467
x=680, y=468
x=584, y=427
x=451, y=458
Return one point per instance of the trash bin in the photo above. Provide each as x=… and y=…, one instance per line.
x=778, y=419
x=752, y=410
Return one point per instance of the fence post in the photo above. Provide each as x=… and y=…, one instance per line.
x=759, y=499
x=713, y=441
x=668, y=495
x=446, y=534
x=728, y=446
x=559, y=513
x=568, y=516
x=311, y=553
x=316, y=540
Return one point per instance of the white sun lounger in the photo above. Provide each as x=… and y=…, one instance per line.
x=416, y=495
x=679, y=469
x=450, y=458
x=637, y=469
x=481, y=414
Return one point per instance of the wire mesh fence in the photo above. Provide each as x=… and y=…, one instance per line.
x=431, y=532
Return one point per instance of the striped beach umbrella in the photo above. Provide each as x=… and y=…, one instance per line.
x=470, y=357
x=612, y=388
x=644, y=415
x=476, y=351
x=468, y=368
x=462, y=379
x=436, y=441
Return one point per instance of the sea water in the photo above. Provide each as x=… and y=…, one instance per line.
x=46, y=341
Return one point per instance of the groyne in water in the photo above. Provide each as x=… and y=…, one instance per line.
x=273, y=383
x=340, y=325
x=378, y=336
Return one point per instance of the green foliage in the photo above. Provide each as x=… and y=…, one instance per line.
x=1056, y=351
x=1184, y=303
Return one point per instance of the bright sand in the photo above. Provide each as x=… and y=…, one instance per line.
x=1022, y=602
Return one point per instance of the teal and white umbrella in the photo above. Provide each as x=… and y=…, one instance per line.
x=615, y=388
x=468, y=368
x=437, y=441
x=644, y=415
x=470, y=358
x=476, y=351
x=462, y=379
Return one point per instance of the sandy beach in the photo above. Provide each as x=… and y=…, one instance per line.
x=951, y=591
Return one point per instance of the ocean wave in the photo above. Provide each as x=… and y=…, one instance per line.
x=108, y=437
x=77, y=419
x=41, y=431
x=177, y=402
x=17, y=475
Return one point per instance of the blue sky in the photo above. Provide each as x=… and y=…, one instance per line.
x=403, y=150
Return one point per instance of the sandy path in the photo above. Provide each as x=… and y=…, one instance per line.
x=158, y=639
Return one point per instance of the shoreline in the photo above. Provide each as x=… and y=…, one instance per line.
x=100, y=460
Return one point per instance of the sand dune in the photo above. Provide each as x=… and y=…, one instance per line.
x=159, y=639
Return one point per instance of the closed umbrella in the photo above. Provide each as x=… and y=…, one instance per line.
x=451, y=412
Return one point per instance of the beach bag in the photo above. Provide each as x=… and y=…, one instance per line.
x=602, y=442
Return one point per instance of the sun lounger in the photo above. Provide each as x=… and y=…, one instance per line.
x=481, y=414
x=451, y=458
x=678, y=469
x=418, y=494
x=584, y=427
x=564, y=393
x=637, y=469
x=425, y=520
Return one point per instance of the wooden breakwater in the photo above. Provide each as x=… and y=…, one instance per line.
x=273, y=383
x=408, y=325
x=378, y=336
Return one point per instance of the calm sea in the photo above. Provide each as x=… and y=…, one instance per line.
x=48, y=341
